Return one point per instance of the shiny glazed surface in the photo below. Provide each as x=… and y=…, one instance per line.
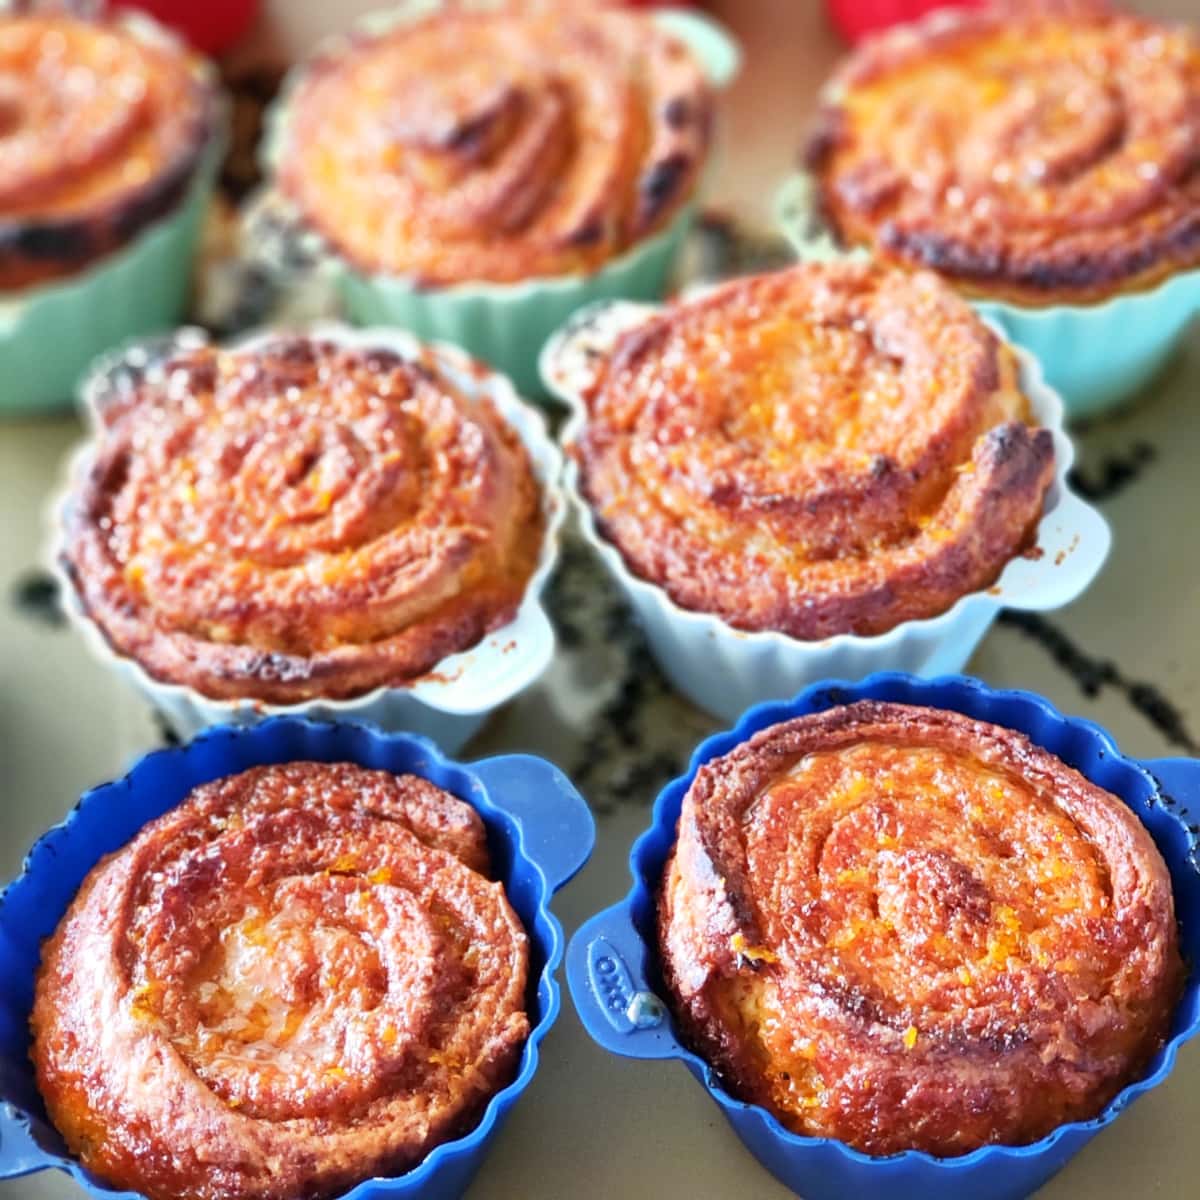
x=100, y=133
x=1045, y=156
x=829, y=449
x=471, y=147
x=299, y=978
x=298, y=520
x=906, y=929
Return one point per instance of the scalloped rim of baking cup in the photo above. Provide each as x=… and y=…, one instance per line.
x=724, y=670
x=51, y=332
x=613, y=975
x=540, y=830
x=505, y=324
x=450, y=702
x=1098, y=357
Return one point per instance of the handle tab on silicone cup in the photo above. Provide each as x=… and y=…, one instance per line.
x=19, y=1153
x=614, y=1002
x=557, y=830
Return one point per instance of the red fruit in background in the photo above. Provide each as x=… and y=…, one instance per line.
x=854, y=19
x=210, y=25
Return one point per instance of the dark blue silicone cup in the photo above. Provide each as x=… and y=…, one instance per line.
x=540, y=833
x=613, y=973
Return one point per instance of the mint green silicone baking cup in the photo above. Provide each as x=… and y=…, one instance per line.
x=50, y=334
x=507, y=324
x=1098, y=357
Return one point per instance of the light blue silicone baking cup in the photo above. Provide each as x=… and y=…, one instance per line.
x=50, y=334
x=506, y=324
x=615, y=980
x=1098, y=357
x=540, y=833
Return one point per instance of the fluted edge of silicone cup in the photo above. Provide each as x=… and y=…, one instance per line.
x=724, y=669
x=448, y=703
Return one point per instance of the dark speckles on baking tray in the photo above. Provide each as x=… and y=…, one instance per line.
x=634, y=747
x=567, y=595
x=1092, y=674
x=1115, y=472
x=166, y=731
x=278, y=259
x=250, y=90
x=35, y=595
x=725, y=248
x=643, y=733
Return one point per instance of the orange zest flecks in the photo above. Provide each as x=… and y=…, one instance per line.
x=754, y=954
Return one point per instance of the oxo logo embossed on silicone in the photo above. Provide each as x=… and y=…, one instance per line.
x=626, y=1008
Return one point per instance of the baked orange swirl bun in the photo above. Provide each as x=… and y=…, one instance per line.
x=496, y=147
x=830, y=449
x=300, y=519
x=909, y=930
x=299, y=978
x=101, y=131
x=1038, y=153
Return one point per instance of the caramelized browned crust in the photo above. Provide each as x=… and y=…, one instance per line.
x=475, y=146
x=299, y=520
x=1041, y=155
x=299, y=978
x=101, y=132
x=830, y=449
x=906, y=929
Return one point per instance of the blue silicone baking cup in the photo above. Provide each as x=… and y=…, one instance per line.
x=615, y=981
x=540, y=832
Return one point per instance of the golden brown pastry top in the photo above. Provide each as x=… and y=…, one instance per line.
x=829, y=449
x=101, y=131
x=1042, y=155
x=299, y=978
x=299, y=519
x=498, y=147
x=906, y=929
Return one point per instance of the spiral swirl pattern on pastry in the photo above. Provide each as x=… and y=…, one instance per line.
x=905, y=929
x=497, y=147
x=100, y=133
x=829, y=449
x=300, y=519
x=299, y=978
x=1047, y=154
